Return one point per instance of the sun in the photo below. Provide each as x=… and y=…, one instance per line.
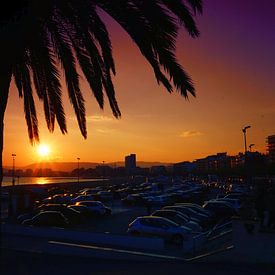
x=43, y=150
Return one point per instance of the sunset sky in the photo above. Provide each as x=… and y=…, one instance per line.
x=233, y=67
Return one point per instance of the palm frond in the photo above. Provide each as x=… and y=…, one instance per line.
x=29, y=106
x=183, y=13
x=196, y=6
x=67, y=32
x=53, y=106
x=63, y=50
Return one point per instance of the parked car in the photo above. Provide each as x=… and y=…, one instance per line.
x=221, y=209
x=96, y=207
x=83, y=198
x=26, y=216
x=134, y=199
x=82, y=209
x=236, y=204
x=59, y=199
x=201, y=219
x=158, y=227
x=158, y=200
x=199, y=209
x=88, y=191
x=177, y=218
x=105, y=195
x=240, y=196
x=72, y=215
x=48, y=218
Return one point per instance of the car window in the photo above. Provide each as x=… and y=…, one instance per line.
x=160, y=214
x=39, y=218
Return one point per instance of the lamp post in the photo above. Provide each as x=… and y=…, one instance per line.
x=250, y=146
x=246, y=170
x=103, y=170
x=13, y=169
x=78, y=159
x=244, y=134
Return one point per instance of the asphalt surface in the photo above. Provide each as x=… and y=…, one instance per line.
x=28, y=263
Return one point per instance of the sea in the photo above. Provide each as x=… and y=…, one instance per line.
x=42, y=180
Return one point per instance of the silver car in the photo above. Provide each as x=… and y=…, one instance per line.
x=178, y=218
x=96, y=207
x=159, y=227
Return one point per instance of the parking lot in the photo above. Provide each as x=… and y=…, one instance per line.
x=118, y=222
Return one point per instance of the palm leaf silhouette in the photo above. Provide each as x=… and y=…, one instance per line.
x=38, y=36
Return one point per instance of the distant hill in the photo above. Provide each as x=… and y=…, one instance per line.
x=60, y=166
x=142, y=164
x=69, y=166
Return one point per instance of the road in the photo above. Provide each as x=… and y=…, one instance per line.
x=35, y=256
x=28, y=263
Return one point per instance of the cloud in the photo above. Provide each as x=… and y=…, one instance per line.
x=187, y=134
x=97, y=118
x=104, y=131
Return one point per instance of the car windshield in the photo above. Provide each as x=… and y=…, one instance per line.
x=168, y=222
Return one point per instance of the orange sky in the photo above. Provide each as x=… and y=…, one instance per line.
x=233, y=67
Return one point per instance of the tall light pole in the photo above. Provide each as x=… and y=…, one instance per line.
x=103, y=170
x=13, y=169
x=78, y=159
x=244, y=134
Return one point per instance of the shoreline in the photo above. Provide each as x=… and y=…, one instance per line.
x=72, y=185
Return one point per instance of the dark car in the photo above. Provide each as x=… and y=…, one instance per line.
x=202, y=220
x=48, y=218
x=197, y=208
x=71, y=214
x=96, y=207
x=210, y=215
x=58, y=199
x=105, y=196
x=134, y=199
x=176, y=217
x=221, y=209
x=82, y=209
x=27, y=216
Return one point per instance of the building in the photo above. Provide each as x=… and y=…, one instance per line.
x=183, y=168
x=271, y=148
x=158, y=170
x=219, y=162
x=130, y=164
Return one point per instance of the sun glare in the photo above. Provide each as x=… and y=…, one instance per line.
x=43, y=150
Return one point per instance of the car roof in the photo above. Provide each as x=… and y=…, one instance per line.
x=155, y=218
x=96, y=202
x=49, y=212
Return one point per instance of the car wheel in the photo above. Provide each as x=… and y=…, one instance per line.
x=177, y=239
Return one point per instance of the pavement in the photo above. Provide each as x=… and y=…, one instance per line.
x=243, y=253
x=29, y=263
x=257, y=247
x=241, y=248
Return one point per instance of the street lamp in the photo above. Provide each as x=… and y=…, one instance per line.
x=13, y=169
x=103, y=170
x=244, y=133
x=78, y=159
x=250, y=146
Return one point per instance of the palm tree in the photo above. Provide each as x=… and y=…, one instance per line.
x=39, y=37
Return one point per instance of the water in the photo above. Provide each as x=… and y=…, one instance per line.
x=41, y=180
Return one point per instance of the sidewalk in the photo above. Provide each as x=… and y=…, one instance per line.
x=255, y=248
